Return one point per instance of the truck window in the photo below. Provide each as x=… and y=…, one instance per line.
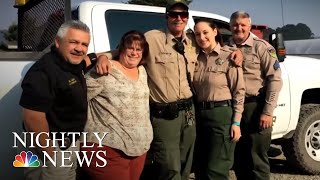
x=120, y=21
x=223, y=28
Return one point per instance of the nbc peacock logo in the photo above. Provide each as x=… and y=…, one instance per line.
x=26, y=159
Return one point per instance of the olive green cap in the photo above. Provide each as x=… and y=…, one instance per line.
x=172, y=3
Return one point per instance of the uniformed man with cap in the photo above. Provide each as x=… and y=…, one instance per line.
x=263, y=82
x=172, y=111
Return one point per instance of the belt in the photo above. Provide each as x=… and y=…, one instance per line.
x=251, y=99
x=206, y=105
x=183, y=104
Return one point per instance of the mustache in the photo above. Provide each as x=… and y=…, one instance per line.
x=237, y=31
x=80, y=53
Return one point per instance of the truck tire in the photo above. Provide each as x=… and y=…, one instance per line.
x=303, y=149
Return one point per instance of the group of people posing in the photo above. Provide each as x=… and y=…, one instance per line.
x=182, y=98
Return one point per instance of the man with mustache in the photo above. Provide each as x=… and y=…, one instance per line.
x=54, y=99
x=262, y=75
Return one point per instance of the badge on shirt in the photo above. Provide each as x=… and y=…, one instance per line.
x=219, y=61
x=247, y=50
x=272, y=52
x=190, y=48
x=72, y=81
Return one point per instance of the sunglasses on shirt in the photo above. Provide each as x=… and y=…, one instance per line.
x=174, y=14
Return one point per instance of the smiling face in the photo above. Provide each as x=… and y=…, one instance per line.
x=177, y=19
x=73, y=46
x=240, y=28
x=131, y=55
x=205, y=36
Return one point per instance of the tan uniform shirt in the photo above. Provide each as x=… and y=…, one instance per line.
x=166, y=67
x=261, y=68
x=216, y=79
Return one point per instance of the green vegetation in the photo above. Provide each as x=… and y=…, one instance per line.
x=12, y=33
x=294, y=32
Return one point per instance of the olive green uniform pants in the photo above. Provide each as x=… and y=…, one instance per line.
x=172, y=147
x=214, y=150
x=251, y=158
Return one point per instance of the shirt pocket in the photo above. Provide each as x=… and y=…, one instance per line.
x=69, y=93
x=216, y=75
x=251, y=61
x=217, y=69
x=165, y=63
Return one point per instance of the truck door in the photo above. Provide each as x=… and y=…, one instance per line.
x=283, y=111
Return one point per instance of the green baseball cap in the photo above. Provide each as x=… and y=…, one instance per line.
x=172, y=3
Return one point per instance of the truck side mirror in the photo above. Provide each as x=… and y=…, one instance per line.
x=276, y=40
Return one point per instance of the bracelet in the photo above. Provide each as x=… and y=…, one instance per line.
x=237, y=123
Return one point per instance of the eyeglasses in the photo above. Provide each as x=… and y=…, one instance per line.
x=131, y=49
x=174, y=14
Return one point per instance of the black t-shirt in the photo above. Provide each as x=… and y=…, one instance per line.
x=58, y=88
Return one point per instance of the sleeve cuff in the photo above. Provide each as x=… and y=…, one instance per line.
x=237, y=116
x=268, y=110
x=34, y=103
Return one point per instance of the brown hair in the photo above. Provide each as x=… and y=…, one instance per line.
x=210, y=22
x=129, y=37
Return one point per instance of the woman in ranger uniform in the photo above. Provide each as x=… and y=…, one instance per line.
x=220, y=93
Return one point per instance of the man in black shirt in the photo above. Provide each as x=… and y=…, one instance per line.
x=54, y=99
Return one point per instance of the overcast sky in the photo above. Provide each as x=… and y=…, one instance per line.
x=262, y=12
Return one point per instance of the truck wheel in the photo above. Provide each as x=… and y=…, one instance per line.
x=303, y=149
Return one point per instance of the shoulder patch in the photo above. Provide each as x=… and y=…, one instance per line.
x=272, y=52
x=276, y=65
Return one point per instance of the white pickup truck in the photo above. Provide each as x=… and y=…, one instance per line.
x=296, y=118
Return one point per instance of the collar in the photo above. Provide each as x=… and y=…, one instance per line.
x=65, y=65
x=248, y=42
x=171, y=39
x=216, y=49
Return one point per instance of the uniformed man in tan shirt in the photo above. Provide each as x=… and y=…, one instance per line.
x=220, y=92
x=263, y=81
x=171, y=106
